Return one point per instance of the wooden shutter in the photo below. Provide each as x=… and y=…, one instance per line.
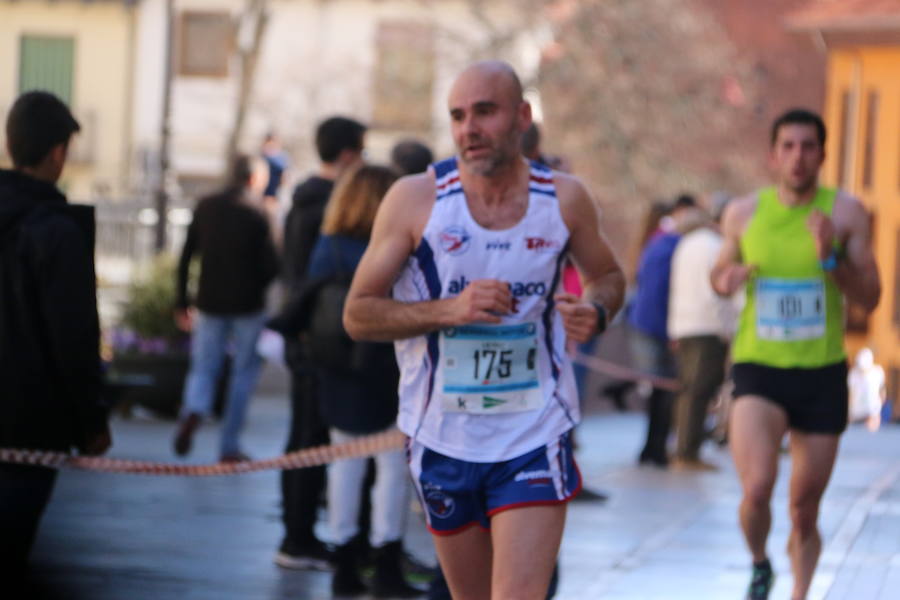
x=47, y=63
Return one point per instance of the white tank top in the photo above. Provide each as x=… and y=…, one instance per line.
x=488, y=393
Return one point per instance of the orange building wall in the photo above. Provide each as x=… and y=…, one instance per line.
x=861, y=70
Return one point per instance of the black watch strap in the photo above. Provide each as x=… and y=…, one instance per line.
x=602, y=316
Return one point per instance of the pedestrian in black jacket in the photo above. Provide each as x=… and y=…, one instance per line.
x=339, y=142
x=238, y=261
x=49, y=330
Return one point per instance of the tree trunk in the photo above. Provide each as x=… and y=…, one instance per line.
x=257, y=10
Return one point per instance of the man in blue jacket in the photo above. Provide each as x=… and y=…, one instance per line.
x=649, y=339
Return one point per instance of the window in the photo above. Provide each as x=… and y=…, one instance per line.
x=856, y=318
x=843, y=166
x=896, y=307
x=871, y=128
x=404, y=76
x=47, y=63
x=205, y=44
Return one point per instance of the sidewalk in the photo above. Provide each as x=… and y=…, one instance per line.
x=669, y=536
x=661, y=536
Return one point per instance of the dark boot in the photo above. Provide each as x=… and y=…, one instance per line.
x=184, y=437
x=346, y=581
x=388, y=581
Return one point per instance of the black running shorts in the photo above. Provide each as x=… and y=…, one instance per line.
x=815, y=400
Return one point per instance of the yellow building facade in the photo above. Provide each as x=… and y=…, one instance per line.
x=83, y=52
x=862, y=112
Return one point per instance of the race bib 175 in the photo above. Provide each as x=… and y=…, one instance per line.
x=490, y=369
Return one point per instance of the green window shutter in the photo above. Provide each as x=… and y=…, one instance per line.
x=47, y=63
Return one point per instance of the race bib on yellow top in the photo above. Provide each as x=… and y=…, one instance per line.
x=790, y=309
x=490, y=369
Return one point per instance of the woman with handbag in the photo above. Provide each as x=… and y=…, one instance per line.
x=357, y=392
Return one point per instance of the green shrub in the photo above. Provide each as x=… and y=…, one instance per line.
x=149, y=310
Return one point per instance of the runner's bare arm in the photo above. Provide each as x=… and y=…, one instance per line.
x=604, y=281
x=857, y=274
x=729, y=273
x=369, y=312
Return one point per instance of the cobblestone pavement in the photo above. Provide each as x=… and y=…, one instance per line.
x=662, y=535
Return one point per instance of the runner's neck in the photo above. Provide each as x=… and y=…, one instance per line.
x=502, y=186
x=792, y=198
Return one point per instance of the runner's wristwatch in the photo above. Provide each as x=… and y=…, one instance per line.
x=837, y=254
x=601, y=318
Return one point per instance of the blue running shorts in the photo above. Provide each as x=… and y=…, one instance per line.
x=458, y=494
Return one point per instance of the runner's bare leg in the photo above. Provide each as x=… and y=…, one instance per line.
x=466, y=561
x=812, y=460
x=756, y=429
x=526, y=543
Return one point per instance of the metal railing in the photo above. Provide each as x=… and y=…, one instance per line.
x=125, y=237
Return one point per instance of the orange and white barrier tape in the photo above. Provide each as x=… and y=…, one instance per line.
x=619, y=372
x=308, y=457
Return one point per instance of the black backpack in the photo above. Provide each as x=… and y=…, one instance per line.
x=316, y=316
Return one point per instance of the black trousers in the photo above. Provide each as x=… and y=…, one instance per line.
x=301, y=489
x=24, y=492
x=653, y=356
x=701, y=370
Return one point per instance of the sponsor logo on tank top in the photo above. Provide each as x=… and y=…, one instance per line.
x=517, y=289
x=499, y=245
x=456, y=286
x=455, y=240
x=540, y=244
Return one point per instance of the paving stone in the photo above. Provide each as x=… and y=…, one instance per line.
x=661, y=536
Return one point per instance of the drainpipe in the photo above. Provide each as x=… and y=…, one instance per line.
x=162, y=196
x=852, y=136
x=128, y=113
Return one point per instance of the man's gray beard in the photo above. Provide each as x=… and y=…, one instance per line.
x=486, y=167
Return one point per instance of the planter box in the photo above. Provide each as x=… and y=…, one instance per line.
x=153, y=381
x=156, y=382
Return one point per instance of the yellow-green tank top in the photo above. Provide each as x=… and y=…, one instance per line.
x=794, y=314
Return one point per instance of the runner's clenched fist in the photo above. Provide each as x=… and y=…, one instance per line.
x=483, y=300
x=579, y=318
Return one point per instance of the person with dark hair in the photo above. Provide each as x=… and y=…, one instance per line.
x=358, y=397
x=338, y=139
x=649, y=343
x=277, y=161
x=798, y=116
x=49, y=331
x=683, y=202
x=531, y=143
x=700, y=326
x=531, y=149
x=648, y=316
x=463, y=273
x=339, y=142
x=410, y=157
x=799, y=249
x=238, y=261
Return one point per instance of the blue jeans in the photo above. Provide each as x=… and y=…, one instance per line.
x=209, y=342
